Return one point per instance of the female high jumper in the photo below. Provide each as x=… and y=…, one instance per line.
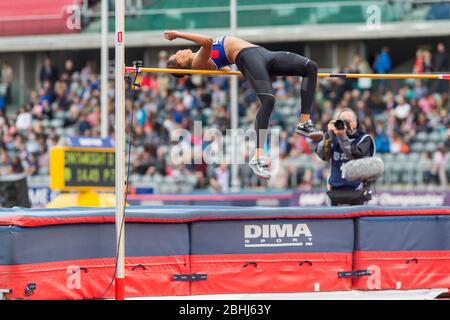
x=257, y=65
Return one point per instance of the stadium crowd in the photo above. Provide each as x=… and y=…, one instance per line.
x=67, y=102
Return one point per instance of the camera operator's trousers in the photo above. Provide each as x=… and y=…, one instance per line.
x=349, y=197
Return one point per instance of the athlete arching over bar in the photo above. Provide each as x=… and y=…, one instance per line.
x=257, y=64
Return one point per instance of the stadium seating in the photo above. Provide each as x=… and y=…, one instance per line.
x=288, y=12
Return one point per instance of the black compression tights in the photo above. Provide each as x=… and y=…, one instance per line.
x=259, y=64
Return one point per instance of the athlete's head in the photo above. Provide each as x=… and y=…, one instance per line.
x=182, y=59
x=350, y=117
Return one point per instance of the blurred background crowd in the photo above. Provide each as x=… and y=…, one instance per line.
x=409, y=121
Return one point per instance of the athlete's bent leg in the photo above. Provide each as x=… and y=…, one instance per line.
x=291, y=64
x=253, y=65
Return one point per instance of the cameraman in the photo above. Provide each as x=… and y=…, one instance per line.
x=345, y=141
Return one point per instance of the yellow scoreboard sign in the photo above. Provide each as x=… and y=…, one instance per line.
x=79, y=168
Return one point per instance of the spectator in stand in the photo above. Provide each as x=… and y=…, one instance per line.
x=7, y=77
x=427, y=61
x=220, y=181
x=179, y=171
x=389, y=102
x=73, y=116
x=382, y=143
x=422, y=123
x=17, y=166
x=419, y=89
x=280, y=176
x=285, y=145
x=48, y=72
x=86, y=73
x=441, y=59
x=159, y=162
x=427, y=103
x=426, y=164
x=31, y=164
x=218, y=96
x=47, y=92
x=24, y=119
x=143, y=161
x=4, y=124
x=162, y=62
x=246, y=175
x=52, y=140
x=69, y=68
x=419, y=62
x=447, y=137
x=43, y=156
x=383, y=62
x=306, y=183
x=359, y=65
x=440, y=159
x=441, y=64
x=361, y=110
x=403, y=108
x=32, y=144
x=83, y=125
x=222, y=119
x=5, y=163
x=60, y=96
x=398, y=145
x=200, y=171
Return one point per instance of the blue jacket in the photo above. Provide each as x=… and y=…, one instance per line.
x=383, y=63
x=340, y=150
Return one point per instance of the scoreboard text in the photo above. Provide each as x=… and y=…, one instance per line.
x=82, y=168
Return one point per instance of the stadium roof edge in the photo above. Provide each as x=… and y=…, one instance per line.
x=261, y=35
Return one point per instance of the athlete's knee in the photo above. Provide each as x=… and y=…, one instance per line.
x=311, y=67
x=267, y=100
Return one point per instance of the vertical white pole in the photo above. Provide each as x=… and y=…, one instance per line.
x=104, y=74
x=120, y=148
x=235, y=183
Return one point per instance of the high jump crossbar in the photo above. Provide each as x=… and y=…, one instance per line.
x=320, y=75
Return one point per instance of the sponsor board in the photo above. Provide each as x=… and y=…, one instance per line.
x=389, y=198
x=40, y=195
x=277, y=235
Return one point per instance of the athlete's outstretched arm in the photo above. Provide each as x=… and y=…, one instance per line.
x=201, y=58
x=201, y=40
